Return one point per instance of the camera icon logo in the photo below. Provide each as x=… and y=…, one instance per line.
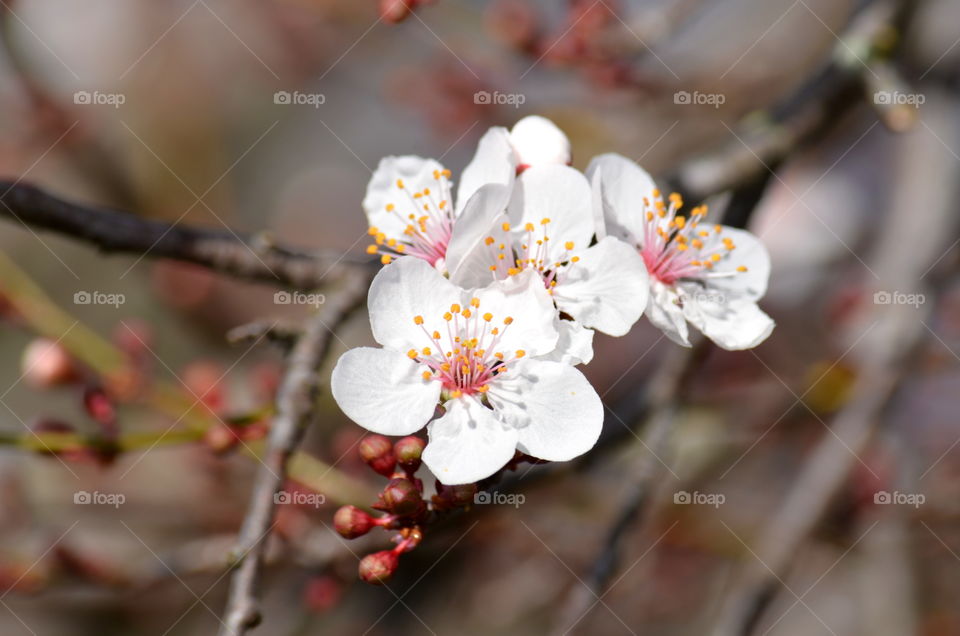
x=82, y=497
x=882, y=497
x=282, y=498
x=282, y=298
x=682, y=497
x=82, y=298
x=482, y=498
x=282, y=97
x=883, y=97
x=82, y=97
x=882, y=298
x=682, y=97
x=482, y=97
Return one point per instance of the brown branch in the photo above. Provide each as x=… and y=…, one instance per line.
x=252, y=257
x=295, y=407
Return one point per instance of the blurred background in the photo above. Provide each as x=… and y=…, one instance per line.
x=270, y=115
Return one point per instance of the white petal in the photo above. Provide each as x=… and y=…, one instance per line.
x=468, y=443
x=383, y=391
x=556, y=412
x=407, y=288
x=607, y=289
x=523, y=298
x=416, y=173
x=624, y=185
x=731, y=325
x=485, y=207
x=750, y=253
x=664, y=311
x=557, y=193
x=537, y=141
x=494, y=162
x=575, y=345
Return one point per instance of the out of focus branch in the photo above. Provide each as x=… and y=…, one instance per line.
x=252, y=257
x=295, y=407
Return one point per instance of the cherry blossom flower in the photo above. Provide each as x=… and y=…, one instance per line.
x=709, y=275
x=475, y=353
x=409, y=201
x=547, y=227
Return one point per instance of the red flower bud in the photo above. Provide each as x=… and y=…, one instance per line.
x=46, y=364
x=396, y=10
x=408, y=452
x=376, y=568
x=351, y=522
x=448, y=497
x=401, y=497
x=377, y=452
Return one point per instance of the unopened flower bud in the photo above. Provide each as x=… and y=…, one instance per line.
x=401, y=497
x=377, y=452
x=376, y=568
x=396, y=10
x=351, y=522
x=454, y=496
x=408, y=452
x=46, y=364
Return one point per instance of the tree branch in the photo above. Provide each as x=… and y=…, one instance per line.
x=252, y=257
x=295, y=406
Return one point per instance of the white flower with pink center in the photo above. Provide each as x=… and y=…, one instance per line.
x=410, y=204
x=476, y=354
x=548, y=227
x=709, y=275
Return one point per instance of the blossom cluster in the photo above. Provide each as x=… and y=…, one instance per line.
x=494, y=284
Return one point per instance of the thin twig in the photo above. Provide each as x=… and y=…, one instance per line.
x=252, y=257
x=295, y=406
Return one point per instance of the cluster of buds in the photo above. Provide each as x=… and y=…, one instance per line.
x=401, y=502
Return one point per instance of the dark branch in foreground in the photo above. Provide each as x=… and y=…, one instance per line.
x=252, y=257
x=295, y=406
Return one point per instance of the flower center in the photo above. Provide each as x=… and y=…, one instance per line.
x=529, y=250
x=429, y=218
x=674, y=247
x=465, y=357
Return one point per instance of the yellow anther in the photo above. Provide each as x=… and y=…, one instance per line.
x=493, y=268
x=474, y=302
x=575, y=259
x=445, y=366
x=456, y=394
x=401, y=248
x=412, y=354
x=680, y=221
x=466, y=312
x=508, y=320
x=697, y=243
x=418, y=320
x=455, y=308
x=426, y=351
x=483, y=389
x=717, y=228
x=495, y=330
x=656, y=193
x=426, y=191
x=386, y=259
x=488, y=317
x=528, y=227
x=447, y=316
x=742, y=268
x=505, y=227
x=446, y=173
x=400, y=183
x=390, y=207
x=443, y=204
x=436, y=335
x=488, y=240
x=715, y=257
x=544, y=221
x=568, y=245
x=427, y=375
x=649, y=216
x=512, y=271
x=521, y=353
x=371, y=249
x=392, y=242
x=498, y=356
